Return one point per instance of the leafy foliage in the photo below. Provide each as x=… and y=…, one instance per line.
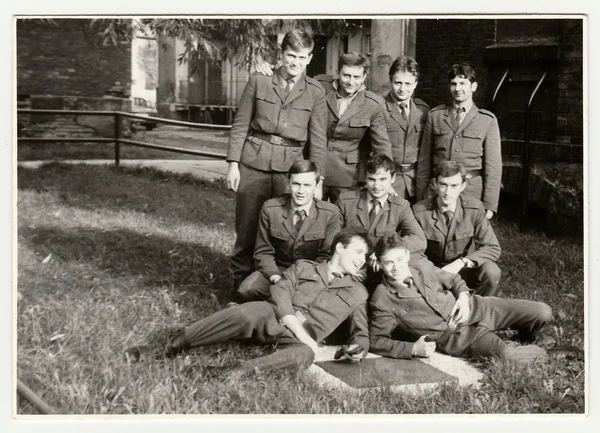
x=244, y=41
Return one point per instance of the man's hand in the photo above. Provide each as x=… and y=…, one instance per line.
x=455, y=267
x=373, y=262
x=274, y=278
x=233, y=176
x=423, y=348
x=461, y=310
x=264, y=68
x=489, y=214
x=351, y=352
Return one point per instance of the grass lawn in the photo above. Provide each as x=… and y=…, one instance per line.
x=108, y=256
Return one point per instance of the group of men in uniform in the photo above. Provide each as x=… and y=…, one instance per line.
x=325, y=170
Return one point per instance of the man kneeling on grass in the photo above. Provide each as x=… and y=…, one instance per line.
x=306, y=305
x=414, y=312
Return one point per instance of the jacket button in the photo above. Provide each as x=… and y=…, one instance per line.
x=458, y=150
x=458, y=136
x=332, y=140
x=331, y=148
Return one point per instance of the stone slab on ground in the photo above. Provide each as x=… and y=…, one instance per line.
x=399, y=375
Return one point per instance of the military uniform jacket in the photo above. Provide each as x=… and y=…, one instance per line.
x=470, y=234
x=397, y=321
x=395, y=217
x=405, y=135
x=305, y=291
x=300, y=117
x=279, y=245
x=475, y=144
x=363, y=119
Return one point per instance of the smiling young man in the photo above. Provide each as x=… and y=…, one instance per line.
x=464, y=133
x=291, y=227
x=306, y=305
x=459, y=237
x=355, y=125
x=414, y=312
x=277, y=116
x=379, y=211
x=405, y=118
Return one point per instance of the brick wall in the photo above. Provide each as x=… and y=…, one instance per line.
x=442, y=42
x=66, y=58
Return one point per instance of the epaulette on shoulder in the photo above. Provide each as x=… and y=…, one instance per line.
x=277, y=201
x=439, y=107
x=381, y=290
x=421, y=103
x=325, y=205
x=350, y=195
x=315, y=82
x=375, y=97
x=471, y=203
x=423, y=205
x=487, y=113
x=398, y=201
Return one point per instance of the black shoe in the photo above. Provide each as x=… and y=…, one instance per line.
x=541, y=339
x=163, y=343
x=566, y=352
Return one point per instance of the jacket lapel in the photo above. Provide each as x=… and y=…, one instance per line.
x=413, y=119
x=363, y=210
x=288, y=218
x=468, y=118
x=296, y=91
x=309, y=220
x=449, y=118
x=394, y=111
x=276, y=87
x=440, y=221
x=332, y=102
x=354, y=107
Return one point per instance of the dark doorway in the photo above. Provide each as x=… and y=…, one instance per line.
x=318, y=64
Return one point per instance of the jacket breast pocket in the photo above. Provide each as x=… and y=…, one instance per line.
x=279, y=238
x=473, y=141
x=300, y=113
x=357, y=128
x=441, y=130
x=266, y=105
x=312, y=242
x=462, y=239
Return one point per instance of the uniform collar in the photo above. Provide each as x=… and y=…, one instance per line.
x=467, y=105
x=336, y=85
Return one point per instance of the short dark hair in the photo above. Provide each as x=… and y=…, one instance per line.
x=345, y=236
x=354, y=59
x=297, y=40
x=304, y=166
x=462, y=70
x=404, y=64
x=381, y=161
x=389, y=242
x=449, y=169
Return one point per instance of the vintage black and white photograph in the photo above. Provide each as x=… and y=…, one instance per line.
x=300, y=215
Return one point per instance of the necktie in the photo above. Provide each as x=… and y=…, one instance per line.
x=403, y=110
x=374, y=209
x=289, y=83
x=448, y=217
x=300, y=214
x=460, y=114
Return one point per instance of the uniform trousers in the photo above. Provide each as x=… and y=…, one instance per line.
x=489, y=314
x=484, y=279
x=255, y=188
x=254, y=322
x=402, y=189
x=256, y=287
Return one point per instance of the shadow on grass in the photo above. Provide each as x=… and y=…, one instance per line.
x=146, y=190
x=155, y=260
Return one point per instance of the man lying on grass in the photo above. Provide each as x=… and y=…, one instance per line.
x=306, y=305
x=436, y=309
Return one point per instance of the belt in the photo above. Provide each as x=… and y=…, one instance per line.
x=442, y=338
x=274, y=139
x=403, y=168
x=473, y=173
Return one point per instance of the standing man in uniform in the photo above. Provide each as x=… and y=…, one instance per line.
x=277, y=118
x=291, y=227
x=460, y=239
x=355, y=125
x=405, y=118
x=466, y=134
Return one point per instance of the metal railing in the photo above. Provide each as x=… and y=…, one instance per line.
x=118, y=139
